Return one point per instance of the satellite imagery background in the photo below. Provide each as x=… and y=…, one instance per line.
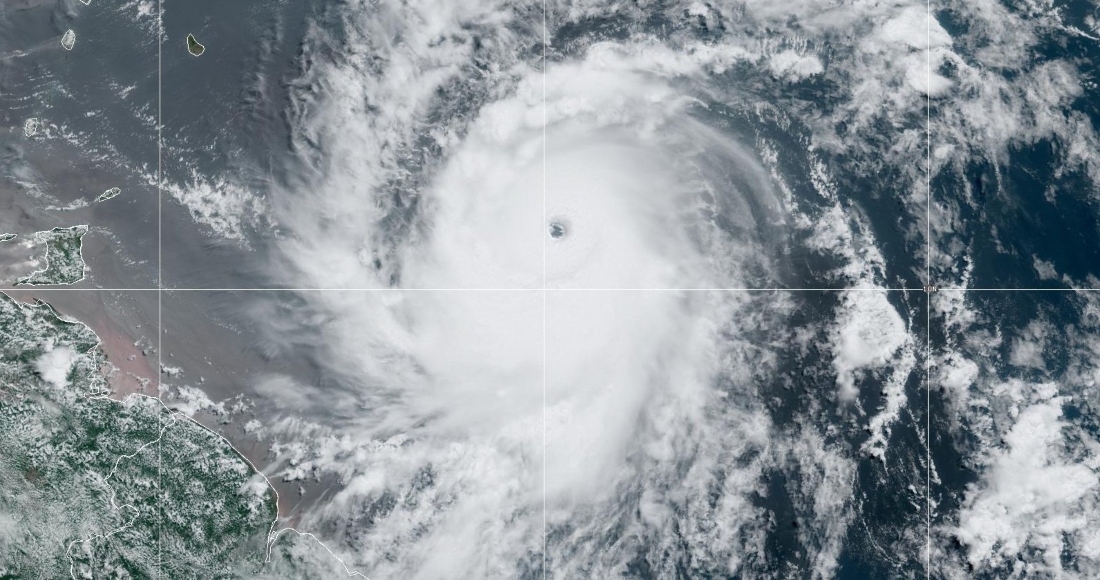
x=423, y=289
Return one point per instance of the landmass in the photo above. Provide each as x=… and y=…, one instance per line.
x=64, y=262
x=68, y=40
x=30, y=127
x=194, y=47
x=100, y=488
x=109, y=194
x=6, y=237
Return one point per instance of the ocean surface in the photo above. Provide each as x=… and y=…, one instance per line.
x=503, y=289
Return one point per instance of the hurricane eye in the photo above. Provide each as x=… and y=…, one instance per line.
x=557, y=230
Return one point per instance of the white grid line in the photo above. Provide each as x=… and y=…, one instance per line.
x=928, y=296
x=544, y=290
x=160, y=279
x=545, y=42
x=384, y=290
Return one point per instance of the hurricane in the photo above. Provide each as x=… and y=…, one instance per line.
x=557, y=366
x=592, y=288
x=574, y=270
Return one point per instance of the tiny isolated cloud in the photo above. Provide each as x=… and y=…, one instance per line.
x=956, y=375
x=287, y=393
x=190, y=401
x=921, y=79
x=54, y=365
x=880, y=425
x=913, y=43
x=868, y=333
x=1044, y=269
x=793, y=66
x=220, y=204
x=914, y=28
x=255, y=428
x=1028, y=346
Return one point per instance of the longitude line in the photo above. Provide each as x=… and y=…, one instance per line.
x=160, y=285
x=928, y=295
x=545, y=41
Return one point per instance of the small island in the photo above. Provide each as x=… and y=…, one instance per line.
x=64, y=263
x=109, y=194
x=30, y=127
x=194, y=47
x=6, y=237
x=68, y=40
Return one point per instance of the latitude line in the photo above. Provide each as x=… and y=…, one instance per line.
x=47, y=289
x=536, y=289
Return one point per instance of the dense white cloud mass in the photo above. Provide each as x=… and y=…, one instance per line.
x=55, y=364
x=1032, y=494
x=1034, y=509
x=539, y=371
x=479, y=405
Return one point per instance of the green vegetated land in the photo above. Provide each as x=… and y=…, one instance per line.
x=64, y=262
x=97, y=488
x=194, y=47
